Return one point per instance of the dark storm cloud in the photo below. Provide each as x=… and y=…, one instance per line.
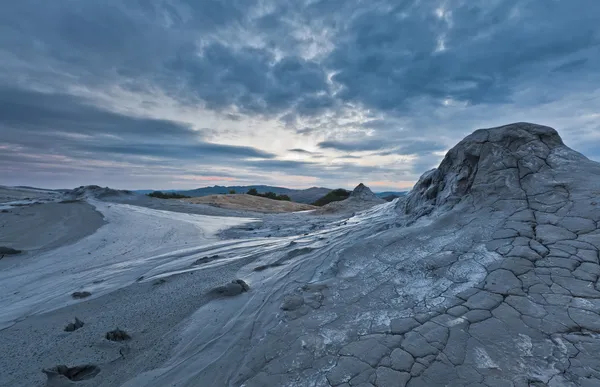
x=300, y=62
x=69, y=127
x=385, y=54
x=481, y=54
x=31, y=111
x=201, y=151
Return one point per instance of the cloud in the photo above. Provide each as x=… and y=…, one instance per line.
x=63, y=125
x=231, y=86
x=300, y=151
x=368, y=144
x=42, y=113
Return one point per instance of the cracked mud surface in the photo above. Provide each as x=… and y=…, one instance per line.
x=486, y=274
x=495, y=282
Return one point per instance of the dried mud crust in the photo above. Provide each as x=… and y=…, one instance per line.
x=532, y=320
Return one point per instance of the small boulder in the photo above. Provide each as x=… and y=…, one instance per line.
x=74, y=325
x=233, y=288
x=8, y=250
x=78, y=295
x=75, y=374
x=204, y=260
x=117, y=335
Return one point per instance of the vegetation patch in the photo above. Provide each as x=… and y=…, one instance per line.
x=268, y=195
x=167, y=195
x=334, y=196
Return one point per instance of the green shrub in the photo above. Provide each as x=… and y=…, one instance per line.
x=334, y=196
x=268, y=195
x=168, y=195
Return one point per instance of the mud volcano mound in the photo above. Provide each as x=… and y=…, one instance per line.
x=486, y=274
x=511, y=162
x=361, y=198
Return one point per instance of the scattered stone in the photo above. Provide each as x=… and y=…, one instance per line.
x=159, y=281
x=74, y=325
x=79, y=295
x=117, y=335
x=265, y=267
x=77, y=373
x=233, y=288
x=8, y=251
x=206, y=259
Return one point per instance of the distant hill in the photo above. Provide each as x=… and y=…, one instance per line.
x=250, y=203
x=306, y=196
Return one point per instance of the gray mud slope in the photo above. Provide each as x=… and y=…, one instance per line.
x=486, y=275
x=361, y=198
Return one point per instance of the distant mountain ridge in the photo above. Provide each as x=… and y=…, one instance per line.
x=306, y=196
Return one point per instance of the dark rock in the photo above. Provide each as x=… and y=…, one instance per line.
x=117, y=335
x=8, y=250
x=206, y=259
x=233, y=288
x=79, y=295
x=77, y=373
x=74, y=325
x=265, y=267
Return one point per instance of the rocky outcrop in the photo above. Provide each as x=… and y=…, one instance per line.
x=491, y=164
x=499, y=286
x=360, y=199
x=364, y=193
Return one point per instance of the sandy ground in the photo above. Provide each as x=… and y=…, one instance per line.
x=251, y=203
x=47, y=226
x=131, y=243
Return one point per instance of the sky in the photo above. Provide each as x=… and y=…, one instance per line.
x=175, y=94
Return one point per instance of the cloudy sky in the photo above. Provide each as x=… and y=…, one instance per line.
x=188, y=93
